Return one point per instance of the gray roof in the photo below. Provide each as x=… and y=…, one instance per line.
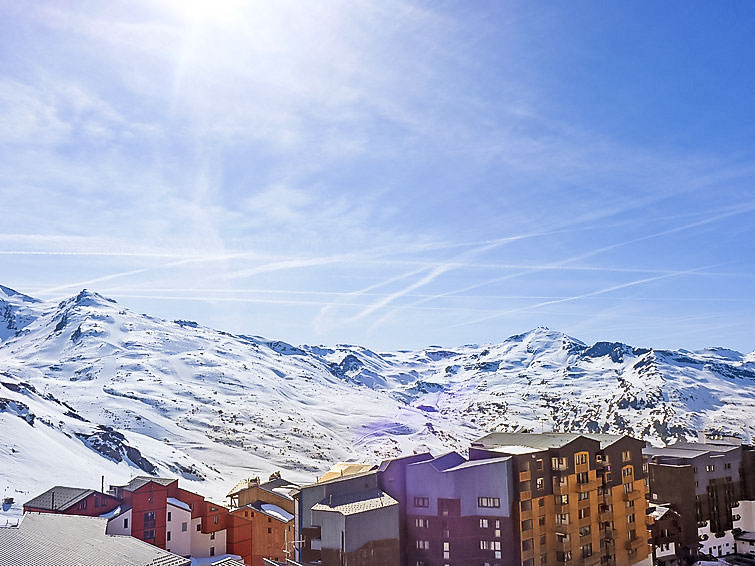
x=59, y=498
x=140, y=481
x=749, y=537
x=542, y=441
x=44, y=539
x=673, y=452
x=353, y=503
x=478, y=463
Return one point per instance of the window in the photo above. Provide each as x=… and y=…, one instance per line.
x=199, y=526
x=269, y=531
x=524, y=485
x=584, y=531
x=584, y=513
x=629, y=504
x=541, y=521
x=626, y=456
x=528, y=562
x=580, y=458
x=215, y=519
x=539, y=464
x=149, y=534
x=423, y=544
x=446, y=550
x=526, y=505
x=83, y=504
x=540, y=484
x=497, y=548
x=212, y=536
x=630, y=518
x=167, y=535
x=627, y=471
x=483, y=523
x=562, y=499
x=586, y=550
x=583, y=495
x=583, y=477
x=422, y=523
x=212, y=551
x=727, y=466
x=125, y=523
x=710, y=468
x=559, y=464
x=486, y=545
x=149, y=519
x=562, y=518
x=488, y=502
x=150, y=498
x=527, y=544
x=184, y=527
x=527, y=525
x=563, y=556
x=541, y=502
x=422, y=502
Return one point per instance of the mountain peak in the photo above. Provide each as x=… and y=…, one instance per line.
x=89, y=298
x=8, y=292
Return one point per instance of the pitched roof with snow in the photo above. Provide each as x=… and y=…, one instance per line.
x=353, y=503
x=59, y=498
x=43, y=539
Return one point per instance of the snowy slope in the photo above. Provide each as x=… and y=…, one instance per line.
x=88, y=388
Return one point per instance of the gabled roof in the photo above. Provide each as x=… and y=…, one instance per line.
x=357, y=502
x=272, y=486
x=44, y=539
x=59, y=498
x=141, y=481
x=541, y=441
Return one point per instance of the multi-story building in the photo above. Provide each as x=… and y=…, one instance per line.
x=157, y=511
x=345, y=519
x=665, y=530
x=269, y=507
x=461, y=512
x=579, y=499
x=709, y=485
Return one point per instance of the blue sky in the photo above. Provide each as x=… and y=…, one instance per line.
x=394, y=174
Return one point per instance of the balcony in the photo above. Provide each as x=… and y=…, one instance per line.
x=561, y=508
x=525, y=495
x=634, y=543
x=605, y=516
x=588, y=486
x=525, y=476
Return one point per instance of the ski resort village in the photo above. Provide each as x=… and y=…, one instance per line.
x=133, y=440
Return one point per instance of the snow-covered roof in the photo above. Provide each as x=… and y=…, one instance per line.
x=220, y=560
x=659, y=512
x=516, y=449
x=114, y=513
x=344, y=469
x=177, y=503
x=276, y=512
x=43, y=539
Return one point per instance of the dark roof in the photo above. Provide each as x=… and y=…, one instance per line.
x=59, y=498
x=413, y=459
x=44, y=539
x=141, y=481
x=357, y=502
x=542, y=441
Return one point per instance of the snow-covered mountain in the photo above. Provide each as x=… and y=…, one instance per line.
x=88, y=388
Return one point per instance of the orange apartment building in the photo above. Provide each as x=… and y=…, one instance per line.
x=269, y=507
x=581, y=497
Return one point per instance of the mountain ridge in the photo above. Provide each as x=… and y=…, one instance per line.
x=112, y=392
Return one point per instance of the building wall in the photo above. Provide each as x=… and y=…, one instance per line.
x=150, y=498
x=115, y=526
x=179, y=527
x=746, y=512
x=451, y=529
x=202, y=543
x=675, y=484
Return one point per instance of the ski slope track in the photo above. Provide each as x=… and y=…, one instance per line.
x=91, y=389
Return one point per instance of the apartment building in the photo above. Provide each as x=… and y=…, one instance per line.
x=460, y=512
x=269, y=507
x=710, y=485
x=346, y=519
x=579, y=499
